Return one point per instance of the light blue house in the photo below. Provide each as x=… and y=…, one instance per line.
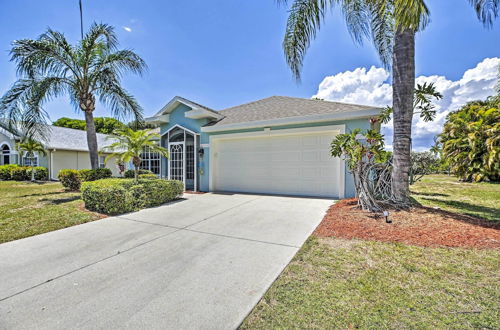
x=277, y=145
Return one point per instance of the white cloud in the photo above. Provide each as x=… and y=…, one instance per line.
x=128, y=29
x=370, y=87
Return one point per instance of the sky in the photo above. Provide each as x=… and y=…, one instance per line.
x=224, y=53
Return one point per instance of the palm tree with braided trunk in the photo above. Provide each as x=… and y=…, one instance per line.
x=391, y=25
x=88, y=72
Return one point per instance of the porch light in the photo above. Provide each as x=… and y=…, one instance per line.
x=201, y=152
x=386, y=215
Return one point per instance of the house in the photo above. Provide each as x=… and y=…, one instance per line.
x=277, y=145
x=66, y=148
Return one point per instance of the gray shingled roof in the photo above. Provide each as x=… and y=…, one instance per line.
x=277, y=107
x=63, y=138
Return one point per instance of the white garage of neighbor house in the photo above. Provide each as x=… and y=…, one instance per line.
x=277, y=145
x=66, y=148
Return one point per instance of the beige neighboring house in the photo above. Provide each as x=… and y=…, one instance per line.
x=66, y=149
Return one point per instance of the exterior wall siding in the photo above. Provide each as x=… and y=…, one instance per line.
x=362, y=123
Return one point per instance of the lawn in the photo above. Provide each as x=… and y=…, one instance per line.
x=334, y=283
x=28, y=209
x=342, y=283
x=446, y=192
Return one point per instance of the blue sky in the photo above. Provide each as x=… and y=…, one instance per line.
x=226, y=52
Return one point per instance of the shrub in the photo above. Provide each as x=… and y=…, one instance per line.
x=148, y=176
x=93, y=175
x=20, y=173
x=130, y=173
x=5, y=171
x=70, y=179
x=41, y=173
x=117, y=196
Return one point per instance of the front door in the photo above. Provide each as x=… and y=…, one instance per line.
x=176, y=160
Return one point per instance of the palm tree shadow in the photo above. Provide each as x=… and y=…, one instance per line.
x=428, y=194
x=44, y=194
x=60, y=200
x=469, y=216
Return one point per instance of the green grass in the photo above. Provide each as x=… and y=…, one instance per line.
x=334, y=283
x=28, y=209
x=446, y=192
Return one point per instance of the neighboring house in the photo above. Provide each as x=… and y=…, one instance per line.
x=277, y=145
x=66, y=148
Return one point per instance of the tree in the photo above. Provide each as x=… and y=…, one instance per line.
x=391, y=25
x=130, y=145
x=104, y=125
x=49, y=67
x=28, y=148
x=360, y=157
x=423, y=163
x=471, y=141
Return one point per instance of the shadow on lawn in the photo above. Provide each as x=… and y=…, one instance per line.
x=428, y=194
x=43, y=194
x=468, y=210
x=60, y=200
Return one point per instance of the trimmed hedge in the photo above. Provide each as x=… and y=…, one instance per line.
x=70, y=179
x=5, y=171
x=148, y=176
x=93, y=175
x=22, y=173
x=117, y=196
x=131, y=173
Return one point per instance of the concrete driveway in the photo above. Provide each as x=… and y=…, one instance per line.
x=200, y=262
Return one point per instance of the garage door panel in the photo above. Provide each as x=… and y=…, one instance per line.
x=291, y=164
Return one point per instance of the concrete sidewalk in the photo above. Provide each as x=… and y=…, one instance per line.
x=201, y=262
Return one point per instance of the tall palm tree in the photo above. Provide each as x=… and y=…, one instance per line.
x=28, y=148
x=49, y=67
x=391, y=25
x=130, y=145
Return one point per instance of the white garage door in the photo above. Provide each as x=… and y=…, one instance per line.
x=285, y=164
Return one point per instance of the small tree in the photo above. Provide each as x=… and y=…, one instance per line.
x=361, y=150
x=28, y=148
x=130, y=145
x=423, y=163
x=471, y=141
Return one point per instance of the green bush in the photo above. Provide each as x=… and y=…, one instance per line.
x=5, y=171
x=117, y=196
x=93, y=175
x=148, y=176
x=41, y=173
x=70, y=179
x=20, y=173
x=130, y=173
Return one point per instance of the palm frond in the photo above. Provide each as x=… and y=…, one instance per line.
x=487, y=10
x=304, y=21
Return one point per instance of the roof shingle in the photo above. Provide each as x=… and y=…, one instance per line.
x=277, y=107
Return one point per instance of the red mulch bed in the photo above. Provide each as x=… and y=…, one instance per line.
x=421, y=226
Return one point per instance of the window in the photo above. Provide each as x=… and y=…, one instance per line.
x=5, y=155
x=150, y=161
x=31, y=161
x=102, y=163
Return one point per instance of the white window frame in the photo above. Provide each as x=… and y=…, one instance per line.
x=102, y=161
x=25, y=158
x=146, y=163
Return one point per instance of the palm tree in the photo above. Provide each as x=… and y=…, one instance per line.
x=130, y=145
x=28, y=148
x=391, y=25
x=49, y=67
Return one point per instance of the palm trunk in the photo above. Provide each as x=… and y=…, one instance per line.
x=403, y=86
x=32, y=173
x=92, y=139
